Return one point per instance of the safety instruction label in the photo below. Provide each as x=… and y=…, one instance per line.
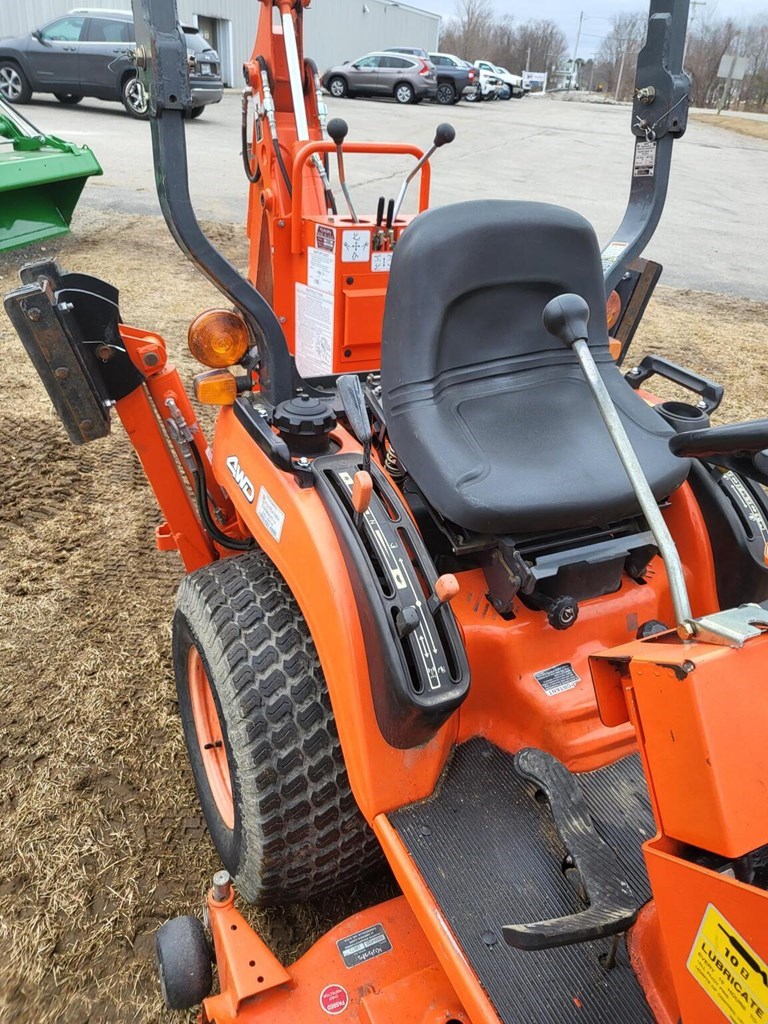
x=729, y=970
x=325, y=238
x=557, y=679
x=270, y=513
x=381, y=262
x=321, y=269
x=645, y=159
x=611, y=253
x=364, y=946
x=355, y=246
x=314, y=331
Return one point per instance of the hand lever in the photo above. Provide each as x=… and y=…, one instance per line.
x=352, y=398
x=337, y=131
x=567, y=318
x=444, y=134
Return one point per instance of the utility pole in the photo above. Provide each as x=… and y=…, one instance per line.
x=694, y=5
x=621, y=67
x=528, y=60
x=574, y=71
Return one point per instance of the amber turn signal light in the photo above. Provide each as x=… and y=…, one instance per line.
x=218, y=338
x=613, y=309
x=217, y=387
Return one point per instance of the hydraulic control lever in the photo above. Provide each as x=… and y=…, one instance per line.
x=445, y=133
x=566, y=318
x=352, y=399
x=337, y=131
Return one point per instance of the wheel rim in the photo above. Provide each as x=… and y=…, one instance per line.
x=445, y=94
x=136, y=96
x=337, y=88
x=404, y=94
x=10, y=83
x=213, y=753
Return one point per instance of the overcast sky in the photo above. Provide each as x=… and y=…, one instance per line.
x=566, y=14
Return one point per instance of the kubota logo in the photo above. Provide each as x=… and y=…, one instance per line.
x=241, y=479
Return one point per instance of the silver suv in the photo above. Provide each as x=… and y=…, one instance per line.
x=409, y=79
x=88, y=53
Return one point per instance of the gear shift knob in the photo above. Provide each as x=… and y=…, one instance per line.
x=566, y=317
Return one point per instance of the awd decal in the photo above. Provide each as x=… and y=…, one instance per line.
x=242, y=481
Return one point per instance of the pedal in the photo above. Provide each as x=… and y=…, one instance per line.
x=613, y=907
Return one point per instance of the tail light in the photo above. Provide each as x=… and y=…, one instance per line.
x=424, y=69
x=472, y=75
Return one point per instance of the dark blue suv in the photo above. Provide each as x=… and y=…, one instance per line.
x=88, y=53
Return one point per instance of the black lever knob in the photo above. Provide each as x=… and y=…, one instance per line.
x=566, y=317
x=444, y=134
x=338, y=130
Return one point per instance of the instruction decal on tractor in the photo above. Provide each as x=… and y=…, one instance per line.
x=314, y=331
x=355, y=246
x=242, y=481
x=325, y=238
x=321, y=269
x=270, y=513
x=364, y=946
x=381, y=262
x=611, y=253
x=334, y=999
x=557, y=679
x=645, y=159
x=729, y=970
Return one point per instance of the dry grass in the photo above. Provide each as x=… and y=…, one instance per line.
x=102, y=835
x=742, y=125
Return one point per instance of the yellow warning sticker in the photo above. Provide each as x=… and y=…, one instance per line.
x=729, y=970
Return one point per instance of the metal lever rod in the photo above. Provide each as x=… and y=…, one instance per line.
x=445, y=133
x=337, y=130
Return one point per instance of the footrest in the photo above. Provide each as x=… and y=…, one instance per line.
x=613, y=905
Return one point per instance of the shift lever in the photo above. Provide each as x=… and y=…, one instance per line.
x=566, y=318
x=445, y=133
x=337, y=130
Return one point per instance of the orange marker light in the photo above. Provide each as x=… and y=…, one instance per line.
x=613, y=309
x=218, y=338
x=217, y=387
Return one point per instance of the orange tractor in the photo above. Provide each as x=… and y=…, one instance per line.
x=461, y=595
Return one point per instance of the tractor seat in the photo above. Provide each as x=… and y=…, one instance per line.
x=490, y=414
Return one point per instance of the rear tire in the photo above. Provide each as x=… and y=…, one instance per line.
x=14, y=86
x=337, y=87
x=404, y=93
x=446, y=93
x=263, y=746
x=67, y=98
x=135, y=98
x=183, y=963
x=196, y=111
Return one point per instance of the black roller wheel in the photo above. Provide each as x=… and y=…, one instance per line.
x=67, y=98
x=337, y=87
x=446, y=94
x=262, y=738
x=183, y=963
x=14, y=86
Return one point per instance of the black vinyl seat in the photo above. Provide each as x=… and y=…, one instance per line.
x=489, y=413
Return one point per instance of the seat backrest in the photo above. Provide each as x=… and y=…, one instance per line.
x=469, y=283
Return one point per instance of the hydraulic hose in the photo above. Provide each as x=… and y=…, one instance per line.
x=205, y=513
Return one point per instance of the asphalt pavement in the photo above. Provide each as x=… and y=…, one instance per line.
x=713, y=235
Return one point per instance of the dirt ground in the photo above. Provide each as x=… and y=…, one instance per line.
x=742, y=125
x=102, y=836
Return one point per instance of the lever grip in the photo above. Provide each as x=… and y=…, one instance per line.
x=444, y=134
x=566, y=317
x=337, y=129
x=352, y=398
x=736, y=439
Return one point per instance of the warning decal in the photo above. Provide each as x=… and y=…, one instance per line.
x=645, y=159
x=611, y=254
x=729, y=970
x=557, y=679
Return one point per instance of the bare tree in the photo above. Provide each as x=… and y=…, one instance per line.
x=470, y=32
x=475, y=33
x=617, y=57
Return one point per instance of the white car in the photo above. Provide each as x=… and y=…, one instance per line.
x=513, y=82
x=489, y=84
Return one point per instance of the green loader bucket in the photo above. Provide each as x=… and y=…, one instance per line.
x=41, y=178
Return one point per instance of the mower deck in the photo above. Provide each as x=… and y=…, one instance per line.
x=490, y=855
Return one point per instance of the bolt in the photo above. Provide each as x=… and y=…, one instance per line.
x=150, y=359
x=141, y=57
x=105, y=353
x=262, y=412
x=303, y=462
x=61, y=373
x=686, y=631
x=282, y=319
x=222, y=886
x=65, y=307
x=34, y=314
x=701, y=404
x=281, y=223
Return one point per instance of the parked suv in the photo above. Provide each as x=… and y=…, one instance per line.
x=410, y=79
x=514, y=83
x=89, y=53
x=455, y=77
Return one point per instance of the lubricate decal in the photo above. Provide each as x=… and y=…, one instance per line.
x=242, y=481
x=729, y=970
x=334, y=999
x=611, y=253
x=364, y=946
x=270, y=513
x=557, y=679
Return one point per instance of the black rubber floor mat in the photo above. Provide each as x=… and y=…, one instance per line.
x=491, y=856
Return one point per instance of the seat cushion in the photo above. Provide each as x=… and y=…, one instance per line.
x=490, y=415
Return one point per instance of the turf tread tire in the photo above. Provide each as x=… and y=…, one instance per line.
x=298, y=831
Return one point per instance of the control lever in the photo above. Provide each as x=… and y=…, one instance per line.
x=445, y=133
x=352, y=399
x=389, y=232
x=566, y=318
x=378, y=237
x=338, y=130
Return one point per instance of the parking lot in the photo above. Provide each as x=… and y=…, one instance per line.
x=712, y=235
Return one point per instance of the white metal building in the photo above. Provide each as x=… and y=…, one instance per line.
x=335, y=30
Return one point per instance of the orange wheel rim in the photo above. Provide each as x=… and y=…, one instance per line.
x=209, y=737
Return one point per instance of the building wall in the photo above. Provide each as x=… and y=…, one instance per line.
x=335, y=30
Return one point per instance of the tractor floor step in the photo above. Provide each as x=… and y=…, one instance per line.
x=491, y=855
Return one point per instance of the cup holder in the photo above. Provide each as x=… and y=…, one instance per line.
x=682, y=416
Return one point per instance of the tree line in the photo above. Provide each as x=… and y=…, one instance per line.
x=477, y=32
